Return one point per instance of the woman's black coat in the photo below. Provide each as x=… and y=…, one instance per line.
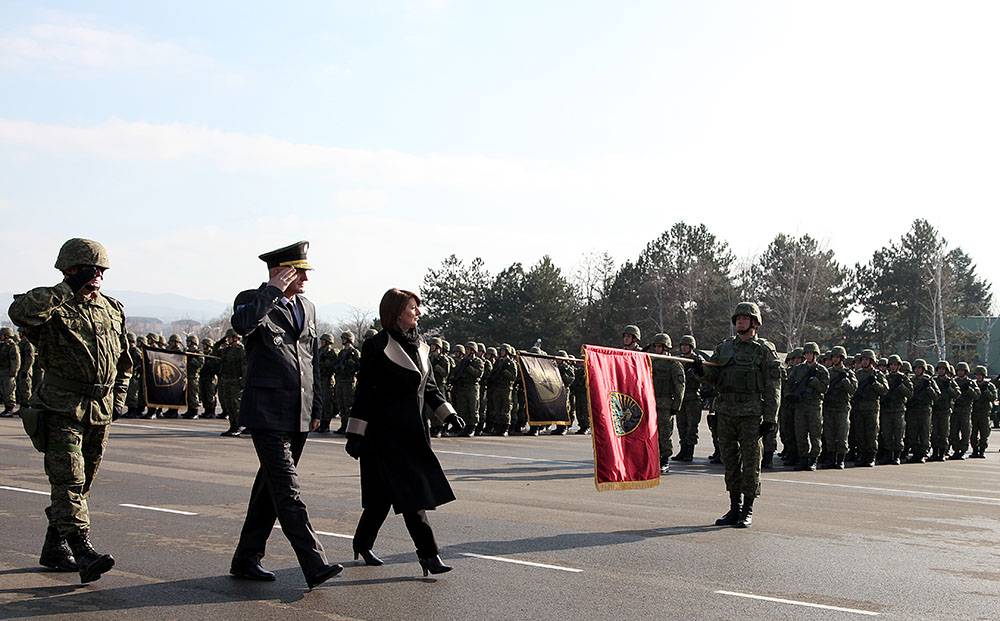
x=397, y=463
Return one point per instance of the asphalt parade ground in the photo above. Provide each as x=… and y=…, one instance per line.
x=529, y=537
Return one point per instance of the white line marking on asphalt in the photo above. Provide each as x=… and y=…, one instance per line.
x=26, y=491
x=161, y=427
x=532, y=459
x=156, y=509
x=323, y=532
x=528, y=563
x=867, y=613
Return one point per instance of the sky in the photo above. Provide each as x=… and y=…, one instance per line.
x=189, y=137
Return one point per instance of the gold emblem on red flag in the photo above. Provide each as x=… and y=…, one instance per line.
x=626, y=413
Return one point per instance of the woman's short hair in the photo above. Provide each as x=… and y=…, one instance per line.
x=392, y=306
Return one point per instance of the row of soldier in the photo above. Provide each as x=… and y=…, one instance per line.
x=19, y=370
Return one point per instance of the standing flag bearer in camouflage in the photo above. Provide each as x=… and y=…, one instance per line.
x=80, y=335
x=689, y=418
x=871, y=386
x=748, y=380
x=981, y=409
x=668, y=388
x=837, y=408
x=961, y=414
x=10, y=364
x=892, y=418
x=918, y=412
x=809, y=382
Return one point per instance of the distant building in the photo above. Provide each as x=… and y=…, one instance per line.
x=977, y=341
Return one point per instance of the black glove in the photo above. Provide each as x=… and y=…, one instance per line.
x=697, y=367
x=456, y=422
x=80, y=279
x=355, y=445
x=766, y=428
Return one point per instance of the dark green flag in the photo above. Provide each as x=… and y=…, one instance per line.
x=545, y=396
x=165, y=375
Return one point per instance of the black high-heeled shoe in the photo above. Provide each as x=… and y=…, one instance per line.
x=369, y=556
x=433, y=565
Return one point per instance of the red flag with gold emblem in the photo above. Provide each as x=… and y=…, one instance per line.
x=622, y=418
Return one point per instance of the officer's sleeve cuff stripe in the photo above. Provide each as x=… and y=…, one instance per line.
x=357, y=426
x=444, y=411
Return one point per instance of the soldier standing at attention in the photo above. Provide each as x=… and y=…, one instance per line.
x=500, y=387
x=195, y=362
x=892, y=418
x=134, y=388
x=837, y=407
x=918, y=412
x=138, y=373
x=232, y=370
x=441, y=367
x=961, y=414
x=80, y=335
x=668, y=389
x=27, y=367
x=326, y=362
x=948, y=390
x=152, y=341
x=581, y=400
x=465, y=388
x=174, y=344
x=786, y=413
x=981, y=409
x=567, y=373
x=10, y=364
x=689, y=417
x=871, y=386
x=345, y=372
x=809, y=383
x=748, y=381
x=208, y=379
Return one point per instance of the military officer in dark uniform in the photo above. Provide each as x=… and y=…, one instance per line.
x=282, y=402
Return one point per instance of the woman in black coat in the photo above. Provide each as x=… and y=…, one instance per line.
x=387, y=432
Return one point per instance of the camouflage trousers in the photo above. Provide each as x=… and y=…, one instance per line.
x=836, y=427
x=581, y=410
x=467, y=404
x=917, y=438
x=329, y=394
x=230, y=394
x=73, y=454
x=23, y=387
x=940, y=430
x=193, y=398
x=344, y=395
x=665, y=431
x=484, y=405
x=809, y=428
x=961, y=427
x=500, y=404
x=688, y=422
x=980, y=438
x=786, y=429
x=8, y=390
x=891, y=429
x=740, y=447
x=132, y=395
x=208, y=386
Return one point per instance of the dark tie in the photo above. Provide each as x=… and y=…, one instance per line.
x=294, y=311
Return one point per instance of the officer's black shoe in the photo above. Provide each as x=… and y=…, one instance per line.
x=369, y=557
x=56, y=554
x=746, y=516
x=433, y=565
x=733, y=515
x=89, y=563
x=868, y=460
x=250, y=570
x=323, y=575
x=767, y=461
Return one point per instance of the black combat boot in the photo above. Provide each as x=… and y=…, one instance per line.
x=735, y=508
x=868, y=460
x=767, y=461
x=746, y=514
x=714, y=458
x=558, y=431
x=936, y=456
x=665, y=465
x=894, y=458
x=957, y=455
x=56, y=554
x=90, y=564
x=838, y=461
x=852, y=456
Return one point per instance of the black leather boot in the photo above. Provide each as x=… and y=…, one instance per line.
x=89, y=563
x=838, y=461
x=433, y=565
x=369, y=557
x=325, y=573
x=894, y=458
x=56, y=554
x=746, y=515
x=733, y=515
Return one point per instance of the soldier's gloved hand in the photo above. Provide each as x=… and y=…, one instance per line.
x=355, y=445
x=79, y=280
x=697, y=367
x=456, y=422
x=766, y=428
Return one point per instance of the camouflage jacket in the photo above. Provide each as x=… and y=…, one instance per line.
x=326, y=362
x=468, y=372
x=969, y=392
x=747, y=380
x=83, y=349
x=503, y=375
x=843, y=384
x=948, y=390
x=668, y=383
x=194, y=362
x=925, y=393
x=27, y=351
x=348, y=363
x=987, y=398
x=10, y=359
x=808, y=382
x=871, y=386
x=900, y=391
x=441, y=365
x=234, y=363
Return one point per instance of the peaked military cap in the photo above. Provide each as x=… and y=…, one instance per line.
x=289, y=256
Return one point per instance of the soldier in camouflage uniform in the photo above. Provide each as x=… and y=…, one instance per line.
x=138, y=373
x=232, y=370
x=948, y=390
x=748, y=380
x=786, y=412
x=499, y=391
x=24, y=373
x=668, y=390
x=981, y=409
x=80, y=336
x=961, y=413
x=10, y=364
x=208, y=380
x=441, y=367
x=809, y=382
x=345, y=373
x=488, y=359
x=892, y=413
x=567, y=372
x=918, y=412
x=326, y=362
x=135, y=383
x=631, y=336
x=465, y=387
x=581, y=401
x=152, y=341
x=689, y=416
x=837, y=408
x=865, y=405
x=195, y=362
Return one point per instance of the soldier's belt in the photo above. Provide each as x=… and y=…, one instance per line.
x=738, y=397
x=94, y=391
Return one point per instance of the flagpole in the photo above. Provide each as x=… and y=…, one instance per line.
x=651, y=355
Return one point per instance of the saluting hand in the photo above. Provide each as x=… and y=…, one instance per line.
x=281, y=277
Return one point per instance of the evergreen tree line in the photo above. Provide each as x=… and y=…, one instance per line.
x=907, y=298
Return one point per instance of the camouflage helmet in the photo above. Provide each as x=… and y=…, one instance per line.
x=7, y=332
x=192, y=338
x=883, y=362
x=962, y=366
x=870, y=354
x=445, y=345
x=206, y=341
x=347, y=335
x=326, y=337
x=981, y=370
x=152, y=337
x=893, y=359
x=906, y=367
x=460, y=349
x=919, y=363
x=562, y=353
x=436, y=341
x=370, y=332
x=795, y=353
x=231, y=332
x=492, y=351
x=507, y=347
x=140, y=340
x=687, y=339
x=839, y=350
x=472, y=346
x=535, y=349
x=174, y=338
x=130, y=336
x=633, y=331
x=942, y=363
x=750, y=309
x=663, y=339
x=810, y=348
x=78, y=251
x=481, y=347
